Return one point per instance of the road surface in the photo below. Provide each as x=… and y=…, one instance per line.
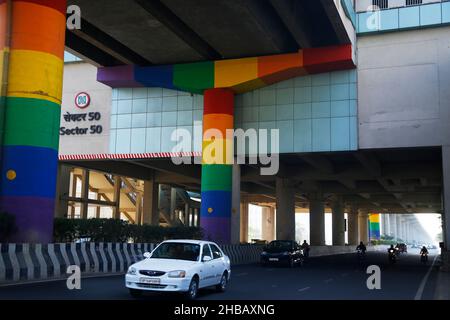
x=332, y=277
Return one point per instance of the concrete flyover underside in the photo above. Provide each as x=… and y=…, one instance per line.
x=186, y=31
x=392, y=181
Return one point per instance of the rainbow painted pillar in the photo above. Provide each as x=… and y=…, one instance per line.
x=217, y=168
x=32, y=35
x=374, y=226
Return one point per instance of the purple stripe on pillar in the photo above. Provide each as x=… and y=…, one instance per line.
x=118, y=77
x=33, y=215
x=216, y=229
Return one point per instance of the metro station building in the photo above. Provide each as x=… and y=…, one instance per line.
x=357, y=91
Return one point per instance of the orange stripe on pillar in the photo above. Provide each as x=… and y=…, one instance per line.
x=273, y=69
x=220, y=122
x=38, y=28
x=3, y=24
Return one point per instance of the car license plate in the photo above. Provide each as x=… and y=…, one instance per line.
x=273, y=259
x=149, y=280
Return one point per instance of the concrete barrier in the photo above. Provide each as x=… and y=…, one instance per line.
x=317, y=251
x=243, y=254
x=31, y=262
x=34, y=262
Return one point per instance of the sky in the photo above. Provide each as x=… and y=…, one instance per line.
x=431, y=223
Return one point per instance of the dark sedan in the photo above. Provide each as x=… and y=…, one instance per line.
x=285, y=252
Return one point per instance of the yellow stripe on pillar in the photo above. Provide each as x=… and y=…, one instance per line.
x=218, y=151
x=35, y=75
x=234, y=73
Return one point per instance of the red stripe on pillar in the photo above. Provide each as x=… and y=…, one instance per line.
x=219, y=101
x=58, y=5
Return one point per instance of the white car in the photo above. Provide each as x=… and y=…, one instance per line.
x=180, y=266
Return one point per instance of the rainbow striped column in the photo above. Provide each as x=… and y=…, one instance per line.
x=217, y=159
x=374, y=227
x=32, y=110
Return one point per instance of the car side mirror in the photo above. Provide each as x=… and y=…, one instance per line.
x=207, y=258
x=147, y=255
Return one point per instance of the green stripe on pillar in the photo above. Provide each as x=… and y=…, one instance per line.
x=32, y=122
x=194, y=77
x=217, y=177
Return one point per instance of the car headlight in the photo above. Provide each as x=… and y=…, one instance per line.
x=132, y=271
x=177, y=274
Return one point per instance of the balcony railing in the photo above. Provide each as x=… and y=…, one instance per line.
x=396, y=19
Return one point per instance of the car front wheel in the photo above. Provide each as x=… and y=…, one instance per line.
x=222, y=286
x=193, y=290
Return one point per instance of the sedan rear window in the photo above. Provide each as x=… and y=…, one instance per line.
x=177, y=251
x=286, y=245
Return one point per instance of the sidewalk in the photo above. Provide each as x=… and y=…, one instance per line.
x=442, y=291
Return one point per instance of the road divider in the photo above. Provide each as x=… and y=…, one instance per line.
x=32, y=262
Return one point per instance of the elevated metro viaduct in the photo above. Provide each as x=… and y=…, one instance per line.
x=363, y=119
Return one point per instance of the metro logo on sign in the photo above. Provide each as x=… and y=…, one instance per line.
x=82, y=100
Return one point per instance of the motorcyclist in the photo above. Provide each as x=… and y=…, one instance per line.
x=392, y=253
x=361, y=247
x=424, y=254
x=305, y=248
x=424, y=250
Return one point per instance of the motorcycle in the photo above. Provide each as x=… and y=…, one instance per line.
x=392, y=256
x=361, y=254
x=424, y=257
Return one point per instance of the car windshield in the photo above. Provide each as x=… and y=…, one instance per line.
x=177, y=251
x=284, y=245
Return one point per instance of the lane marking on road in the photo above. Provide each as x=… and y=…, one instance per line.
x=304, y=289
x=242, y=274
x=328, y=280
x=424, y=281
